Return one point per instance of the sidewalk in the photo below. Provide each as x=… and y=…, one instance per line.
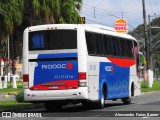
x=11, y=97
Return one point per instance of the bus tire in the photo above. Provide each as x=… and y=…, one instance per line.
x=52, y=107
x=101, y=102
x=127, y=101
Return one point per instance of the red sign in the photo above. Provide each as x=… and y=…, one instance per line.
x=121, y=26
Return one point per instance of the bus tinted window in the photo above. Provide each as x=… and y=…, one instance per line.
x=115, y=45
x=99, y=44
x=53, y=40
x=130, y=48
x=123, y=43
x=38, y=40
x=107, y=45
x=90, y=43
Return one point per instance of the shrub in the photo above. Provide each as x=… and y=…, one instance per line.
x=20, y=97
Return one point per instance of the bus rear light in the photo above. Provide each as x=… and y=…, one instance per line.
x=25, y=81
x=82, y=75
x=25, y=78
x=82, y=84
x=82, y=79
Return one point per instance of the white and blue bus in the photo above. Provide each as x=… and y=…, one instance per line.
x=65, y=63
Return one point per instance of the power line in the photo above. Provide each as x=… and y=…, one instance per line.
x=106, y=13
x=113, y=16
x=110, y=10
x=97, y=22
x=105, y=18
x=151, y=6
x=134, y=17
x=157, y=7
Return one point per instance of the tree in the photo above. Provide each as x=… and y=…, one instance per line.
x=16, y=15
x=49, y=11
x=10, y=16
x=37, y=12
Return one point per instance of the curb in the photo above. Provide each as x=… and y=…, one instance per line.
x=12, y=93
x=143, y=93
x=22, y=108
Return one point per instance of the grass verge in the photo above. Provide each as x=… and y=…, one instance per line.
x=145, y=87
x=13, y=105
x=10, y=89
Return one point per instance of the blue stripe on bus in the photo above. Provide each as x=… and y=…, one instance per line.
x=49, y=71
x=116, y=78
x=57, y=55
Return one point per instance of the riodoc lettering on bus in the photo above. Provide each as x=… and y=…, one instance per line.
x=54, y=66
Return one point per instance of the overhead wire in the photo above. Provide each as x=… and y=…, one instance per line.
x=151, y=6
x=108, y=11
x=157, y=7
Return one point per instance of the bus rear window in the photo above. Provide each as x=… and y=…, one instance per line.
x=53, y=40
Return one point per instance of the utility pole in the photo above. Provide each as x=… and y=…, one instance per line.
x=151, y=47
x=149, y=72
x=149, y=42
x=145, y=34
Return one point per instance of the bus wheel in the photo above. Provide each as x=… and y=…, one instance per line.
x=101, y=102
x=52, y=106
x=127, y=101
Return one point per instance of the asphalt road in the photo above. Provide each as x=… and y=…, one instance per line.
x=141, y=107
x=146, y=102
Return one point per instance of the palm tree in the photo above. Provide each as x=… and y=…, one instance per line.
x=16, y=15
x=51, y=11
x=10, y=16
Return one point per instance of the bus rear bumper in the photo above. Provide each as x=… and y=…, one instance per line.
x=46, y=95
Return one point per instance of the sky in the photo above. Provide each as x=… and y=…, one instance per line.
x=106, y=12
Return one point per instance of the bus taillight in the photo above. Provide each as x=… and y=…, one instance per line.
x=25, y=81
x=25, y=78
x=82, y=79
x=82, y=75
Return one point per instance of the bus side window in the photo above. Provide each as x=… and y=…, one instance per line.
x=99, y=44
x=121, y=47
x=129, y=48
x=107, y=46
x=90, y=43
x=115, y=46
x=124, y=41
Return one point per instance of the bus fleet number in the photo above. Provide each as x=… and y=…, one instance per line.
x=92, y=67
